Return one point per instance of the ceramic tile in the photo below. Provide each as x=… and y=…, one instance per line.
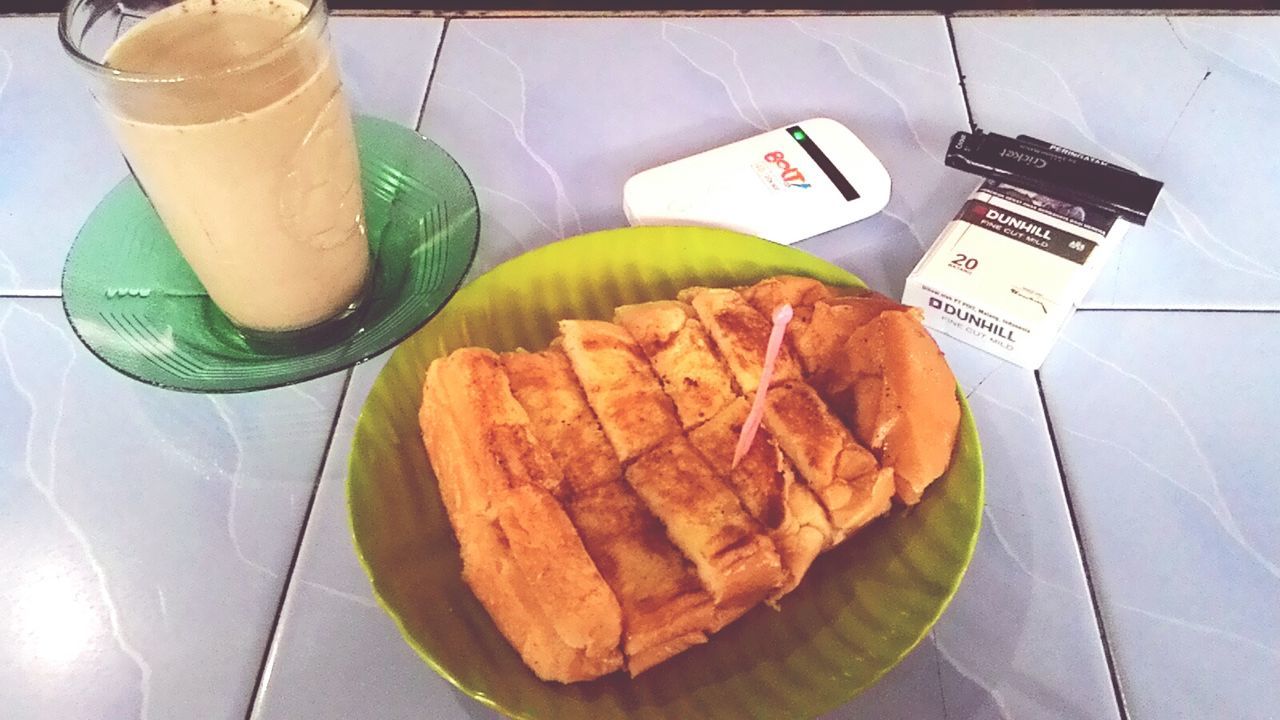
x=1165, y=424
x=1189, y=100
x=147, y=533
x=58, y=157
x=1020, y=640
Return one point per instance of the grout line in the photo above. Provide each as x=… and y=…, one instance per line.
x=376, y=13
x=1245, y=311
x=937, y=664
x=273, y=635
x=1107, y=654
x=955, y=56
x=435, y=65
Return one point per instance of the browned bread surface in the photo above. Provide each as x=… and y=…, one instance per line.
x=544, y=384
x=664, y=606
x=591, y=485
x=873, y=362
x=844, y=475
x=703, y=517
x=680, y=352
x=821, y=343
x=620, y=386
x=553, y=561
x=798, y=292
x=741, y=334
x=766, y=484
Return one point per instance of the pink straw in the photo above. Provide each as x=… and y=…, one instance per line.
x=781, y=317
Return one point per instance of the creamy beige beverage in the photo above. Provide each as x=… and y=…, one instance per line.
x=250, y=158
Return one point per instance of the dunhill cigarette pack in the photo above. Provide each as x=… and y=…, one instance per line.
x=1008, y=271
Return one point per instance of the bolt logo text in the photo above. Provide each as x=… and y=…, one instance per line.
x=791, y=176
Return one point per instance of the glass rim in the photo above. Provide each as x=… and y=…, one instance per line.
x=314, y=8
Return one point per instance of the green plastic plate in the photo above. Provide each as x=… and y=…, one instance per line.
x=861, y=609
x=136, y=304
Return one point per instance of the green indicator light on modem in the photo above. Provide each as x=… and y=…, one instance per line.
x=798, y=134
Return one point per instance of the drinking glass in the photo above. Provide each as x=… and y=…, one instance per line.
x=231, y=116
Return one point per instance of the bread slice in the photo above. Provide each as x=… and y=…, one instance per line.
x=620, y=386
x=766, y=484
x=741, y=334
x=738, y=564
x=664, y=608
x=844, y=475
x=801, y=293
x=680, y=352
x=554, y=564
x=904, y=398
x=824, y=339
x=563, y=423
x=469, y=386
x=521, y=555
x=515, y=604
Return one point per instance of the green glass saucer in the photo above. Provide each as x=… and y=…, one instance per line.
x=136, y=304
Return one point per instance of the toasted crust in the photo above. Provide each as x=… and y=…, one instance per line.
x=736, y=561
x=664, y=608
x=471, y=386
x=464, y=489
x=551, y=557
x=904, y=398
x=521, y=555
x=843, y=474
x=741, y=334
x=794, y=290
x=823, y=340
x=620, y=386
x=760, y=480
x=765, y=483
x=560, y=418
x=499, y=584
x=680, y=352
x=488, y=565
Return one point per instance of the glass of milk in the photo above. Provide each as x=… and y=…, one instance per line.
x=231, y=116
